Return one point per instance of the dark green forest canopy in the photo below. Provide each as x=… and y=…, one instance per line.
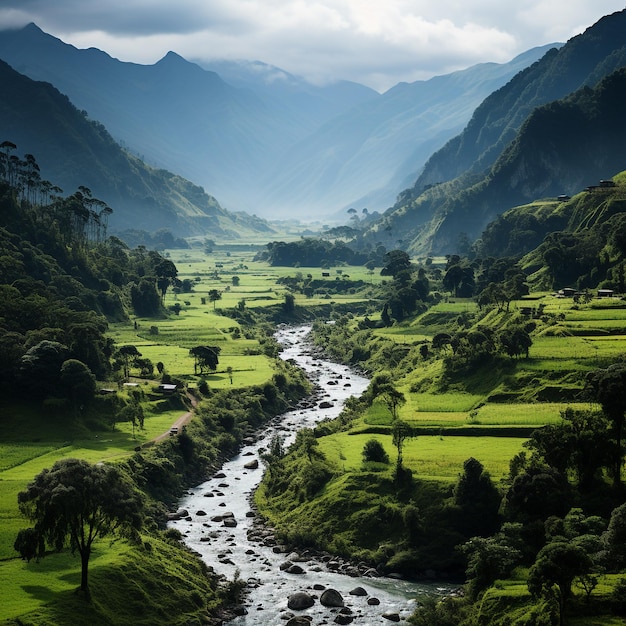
x=61, y=278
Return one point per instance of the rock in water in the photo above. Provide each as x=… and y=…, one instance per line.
x=300, y=600
x=331, y=597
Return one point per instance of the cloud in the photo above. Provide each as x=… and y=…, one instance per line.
x=370, y=41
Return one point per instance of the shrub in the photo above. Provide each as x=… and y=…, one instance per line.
x=373, y=451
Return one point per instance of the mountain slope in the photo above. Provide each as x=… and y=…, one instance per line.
x=377, y=145
x=552, y=155
x=562, y=148
x=174, y=113
x=73, y=151
x=583, y=61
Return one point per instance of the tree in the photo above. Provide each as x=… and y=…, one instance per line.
x=400, y=432
x=608, y=387
x=488, y=558
x=383, y=388
x=214, y=296
x=78, y=502
x=206, y=358
x=79, y=382
x=395, y=262
x=308, y=444
x=557, y=565
x=373, y=451
x=144, y=298
x=166, y=274
x=128, y=353
x=478, y=499
x=235, y=280
x=41, y=365
x=289, y=305
x=614, y=539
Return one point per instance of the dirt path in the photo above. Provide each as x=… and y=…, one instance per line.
x=185, y=418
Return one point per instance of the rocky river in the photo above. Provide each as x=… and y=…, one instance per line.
x=221, y=525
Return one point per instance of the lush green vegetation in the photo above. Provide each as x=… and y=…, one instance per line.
x=458, y=429
x=489, y=445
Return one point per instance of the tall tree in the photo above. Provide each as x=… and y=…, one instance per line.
x=214, y=296
x=205, y=358
x=77, y=502
x=608, y=387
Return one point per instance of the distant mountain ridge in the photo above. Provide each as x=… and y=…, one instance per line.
x=266, y=142
x=74, y=151
x=377, y=146
x=512, y=152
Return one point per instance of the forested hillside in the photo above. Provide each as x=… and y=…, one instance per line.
x=74, y=151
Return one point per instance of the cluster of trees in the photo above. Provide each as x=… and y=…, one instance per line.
x=61, y=283
x=309, y=252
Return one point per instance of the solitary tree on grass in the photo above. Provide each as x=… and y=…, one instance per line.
x=214, y=296
x=77, y=503
x=206, y=358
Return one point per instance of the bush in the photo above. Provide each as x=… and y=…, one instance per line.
x=373, y=451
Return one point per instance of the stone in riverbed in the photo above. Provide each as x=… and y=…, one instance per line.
x=299, y=620
x=300, y=600
x=252, y=464
x=392, y=617
x=331, y=597
x=358, y=591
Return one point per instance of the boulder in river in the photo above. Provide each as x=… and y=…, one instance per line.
x=391, y=616
x=300, y=600
x=252, y=464
x=331, y=597
x=358, y=591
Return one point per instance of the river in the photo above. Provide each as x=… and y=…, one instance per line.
x=220, y=518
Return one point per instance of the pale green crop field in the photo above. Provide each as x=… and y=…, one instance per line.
x=579, y=348
x=430, y=457
x=522, y=414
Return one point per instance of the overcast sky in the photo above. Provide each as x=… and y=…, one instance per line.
x=375, y=42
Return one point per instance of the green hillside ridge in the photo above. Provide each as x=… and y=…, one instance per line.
x=509, y=443
x=520, y=230
x=582, y=62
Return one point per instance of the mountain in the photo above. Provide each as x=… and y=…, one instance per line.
x=312, y=104
x=259, y=138
x=586, y=59
x=377, y=146
x=174, y=113
x=512, y=152
x=73, y=151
